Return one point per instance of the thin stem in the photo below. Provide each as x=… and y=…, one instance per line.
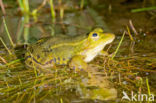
x=82, y=4
x=5, y=46
x=148, y=87
x=143, y=9
x=118, y=45
x=20, y=30
x=15, y=61
x=52, y=11
x=6, y=28
x=26, y=28
x=53, y=17
x=2, y=7
x=129, y=33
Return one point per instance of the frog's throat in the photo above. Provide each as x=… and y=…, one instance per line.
x=92, y=53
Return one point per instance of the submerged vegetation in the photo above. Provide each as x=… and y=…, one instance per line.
x=129, y=68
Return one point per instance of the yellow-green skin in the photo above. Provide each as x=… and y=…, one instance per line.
x=64, y=50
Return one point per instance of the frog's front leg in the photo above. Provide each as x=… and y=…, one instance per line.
x=103, y=53
x=77, y=63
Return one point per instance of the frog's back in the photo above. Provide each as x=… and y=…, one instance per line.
x=61, y=39
x=52, y=50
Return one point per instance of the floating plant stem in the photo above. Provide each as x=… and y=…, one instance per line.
x=129, y=33
x=2, y=7
x=82, y=4
x=143, y=9
x=61, y=101
x=20, y=30
x=21, y=5
x=15, y=61
x=132, y=27
x=148, y=87
x=7, y=84
x=34, y=12
x=118, y=45
x=4, y=61
x=61, y=13
x=5, y=46
x=52, y=17
x=6, y=28
x=24, y=5
x=26, y=28
x=61, y=9
x=52, y=30
x=20, y=81
x=132, y=40
x=52, y=10
x=26, y=20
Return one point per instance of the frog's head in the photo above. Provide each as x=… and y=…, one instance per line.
x=95, y=43
x=97, y=38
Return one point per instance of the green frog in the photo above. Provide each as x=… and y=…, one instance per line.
x=75, y=51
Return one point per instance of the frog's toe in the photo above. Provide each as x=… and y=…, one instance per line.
x=73, y=67
x=77, y=63
x=77, y=69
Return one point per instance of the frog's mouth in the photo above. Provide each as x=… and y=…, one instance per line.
x=112, y=37
x=109, y=41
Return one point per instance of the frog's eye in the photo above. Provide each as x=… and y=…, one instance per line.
x=94, y=35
